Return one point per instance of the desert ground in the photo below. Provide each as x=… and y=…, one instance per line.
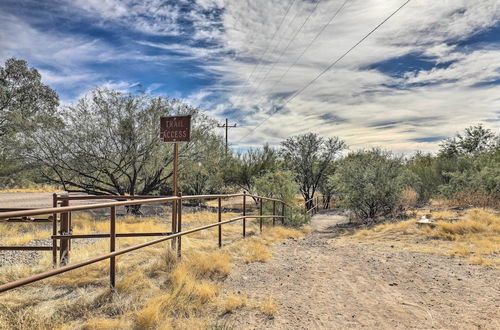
x=335, y=278
x=332, y=281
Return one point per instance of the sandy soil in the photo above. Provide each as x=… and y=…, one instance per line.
x=327, y=281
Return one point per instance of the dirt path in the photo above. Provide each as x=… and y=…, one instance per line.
x=327, y=282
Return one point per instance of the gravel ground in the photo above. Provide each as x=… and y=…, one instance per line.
x=24, y=257
x=326, y=281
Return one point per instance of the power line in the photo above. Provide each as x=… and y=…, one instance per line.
x=306, y=49
x=288, y=45
x=268, y=45
x=294, y=95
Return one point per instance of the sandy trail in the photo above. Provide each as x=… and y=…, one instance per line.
x=328, y=282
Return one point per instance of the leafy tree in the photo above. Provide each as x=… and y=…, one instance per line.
x=277, y=184
x=481, y=175
x=429, y=171
x=326, y=187
x=109, y=144
x=25, y=102
x=475, y=139
x=281, y=185
x=308, y=157
x=26, y=105
x=370, y=182
x=243, y=169
x=204, y=174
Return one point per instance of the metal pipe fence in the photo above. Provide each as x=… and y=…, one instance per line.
x=65, y=235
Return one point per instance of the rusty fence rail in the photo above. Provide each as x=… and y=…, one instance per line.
x=315, y=203
x=65, y=235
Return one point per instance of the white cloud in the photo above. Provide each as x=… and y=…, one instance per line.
x=155, y=17
x=432, y=103
x=350, y=101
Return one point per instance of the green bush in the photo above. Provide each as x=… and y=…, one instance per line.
x=370, y=183
x=482, y=175
x=281, y=185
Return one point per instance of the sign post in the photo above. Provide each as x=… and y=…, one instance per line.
x=174, y=130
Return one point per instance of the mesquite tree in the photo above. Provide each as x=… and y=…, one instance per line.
x=26, y=105
x=109, y=144
x=308, y=157
x=25, y=102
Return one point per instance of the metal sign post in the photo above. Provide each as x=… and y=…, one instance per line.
x=175, y=129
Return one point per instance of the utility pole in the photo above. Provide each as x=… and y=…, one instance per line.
x=227, y=127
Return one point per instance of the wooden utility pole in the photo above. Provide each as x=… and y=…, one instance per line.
x=227, y=127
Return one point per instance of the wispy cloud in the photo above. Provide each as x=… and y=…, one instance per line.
x=430, y=71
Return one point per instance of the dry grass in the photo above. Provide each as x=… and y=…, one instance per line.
x=154, y=290
x=42, y=188
x=234, y=302
x=474, y=234
x=269, y=308
x=467, y=199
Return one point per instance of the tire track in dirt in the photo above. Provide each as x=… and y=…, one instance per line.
x=326, y=281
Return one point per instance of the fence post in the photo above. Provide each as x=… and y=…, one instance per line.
x=174, y=223
x=179, y=226
x=112, y=246
x=244, y=212
x=220, y=220
x=70, y=227
x=282, y=213
x=274, y=212
x=260, y=213
x=64, y=249
x=54, y=231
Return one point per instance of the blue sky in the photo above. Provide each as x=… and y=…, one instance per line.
x=430, y=71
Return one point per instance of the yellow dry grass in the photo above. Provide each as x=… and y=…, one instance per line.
x=234, y=302
x=41, y=188
x=154, y=289
x=474, y=234
x=269, y=308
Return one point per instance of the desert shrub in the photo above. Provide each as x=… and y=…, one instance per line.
x=466, y=165
x=406, y=201
x=277, y=184
x=477, y=184
x=370, y=183
x=281, y=185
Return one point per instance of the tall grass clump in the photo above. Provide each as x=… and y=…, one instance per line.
x=474, y=235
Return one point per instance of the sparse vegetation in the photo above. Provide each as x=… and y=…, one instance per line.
x=309, y=157
x=269, y=308
x=234, y=302
x=474, y=234
x=371, y=183
x=154, y=289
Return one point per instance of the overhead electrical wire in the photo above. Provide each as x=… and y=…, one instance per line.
x=270, y=43
x=289, y=43
x=331, y=65
x=323, y=28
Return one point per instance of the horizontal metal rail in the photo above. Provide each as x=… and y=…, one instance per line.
x=29, y=220
x=26, y=248
x=63, y=269
x=65, y=209
x=108, y=197
x=104, y=235
x=141, y=197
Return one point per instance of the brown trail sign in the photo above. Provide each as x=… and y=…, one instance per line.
x=175, y=129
